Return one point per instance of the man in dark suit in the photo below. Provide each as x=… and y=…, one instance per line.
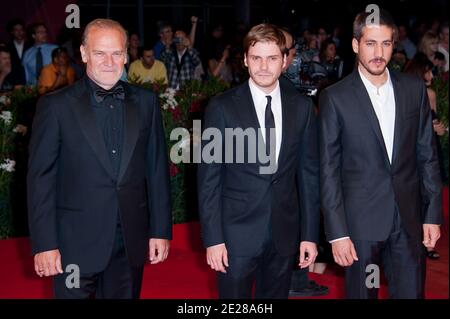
x=17, y=47
x=377, y=151
x=98, y=181
x=254, y=223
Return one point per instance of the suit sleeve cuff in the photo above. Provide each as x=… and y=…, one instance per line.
x=337, y=239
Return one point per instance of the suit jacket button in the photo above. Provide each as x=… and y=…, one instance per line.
x=119, y=188
x=275, y=181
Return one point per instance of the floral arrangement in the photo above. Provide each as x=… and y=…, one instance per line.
x=9, y=128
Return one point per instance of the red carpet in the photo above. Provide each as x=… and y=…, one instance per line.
x=185, y=274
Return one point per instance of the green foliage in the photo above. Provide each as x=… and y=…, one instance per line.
x=440, y=86
x=9, y=104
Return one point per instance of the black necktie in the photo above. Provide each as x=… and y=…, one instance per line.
x=270, y=123
x=39, y=63
x=117, y=93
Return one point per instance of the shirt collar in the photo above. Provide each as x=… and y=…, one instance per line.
x=259, y=96
x=372, y=88
x=94, y=86
x=180, y=54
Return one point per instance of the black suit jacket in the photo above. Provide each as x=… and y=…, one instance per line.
x=16, y=62
x=361, y=189
x=236, y=202
x=73, y=194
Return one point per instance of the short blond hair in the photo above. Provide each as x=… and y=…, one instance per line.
x=265, y=33
x=426, y=41
x=104, y=24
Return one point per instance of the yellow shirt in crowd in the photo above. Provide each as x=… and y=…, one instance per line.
x=157, y=72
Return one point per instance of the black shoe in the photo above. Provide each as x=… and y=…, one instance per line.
x=433, y=254
x=312, y=289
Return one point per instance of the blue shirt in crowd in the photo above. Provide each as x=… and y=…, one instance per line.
x=29, y=60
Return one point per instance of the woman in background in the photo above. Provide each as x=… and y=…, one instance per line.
x=429, y=45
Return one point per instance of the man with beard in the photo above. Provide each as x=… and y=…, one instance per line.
x=379, y=168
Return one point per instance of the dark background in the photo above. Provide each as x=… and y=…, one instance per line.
x=296, y=14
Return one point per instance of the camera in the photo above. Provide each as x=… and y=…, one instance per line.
x=177, y=40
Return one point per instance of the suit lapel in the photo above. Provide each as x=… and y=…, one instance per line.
x=248, y=117
x=366, y=104
x=86, y=120
x=399, y=109
x=287, y=121
x=245, y=107
x=131, y=129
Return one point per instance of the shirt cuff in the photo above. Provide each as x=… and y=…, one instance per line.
x=337, y=239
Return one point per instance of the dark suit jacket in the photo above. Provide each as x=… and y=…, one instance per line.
x=14, y=54
x=15, y=77
x=73, y=196
x=16, y=62
x=360, y=189
x=236, y=202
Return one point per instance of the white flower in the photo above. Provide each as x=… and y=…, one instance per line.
x=313, y=92
x=172, y=103
x=169, y=99
x=8, y=165
x=171, y=92
x=6, y=116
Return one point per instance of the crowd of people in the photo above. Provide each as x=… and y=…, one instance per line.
x=176, y=58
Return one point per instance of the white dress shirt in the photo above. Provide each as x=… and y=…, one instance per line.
x=180, y=54
x=260, y=102
x=19, y=48
x=383, y=101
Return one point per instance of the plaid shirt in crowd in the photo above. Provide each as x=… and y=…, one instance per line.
x=180, y=72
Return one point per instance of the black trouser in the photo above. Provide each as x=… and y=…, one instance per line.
x=117, y=281
x=270, y=272
x=300, y=279
x=403, y=261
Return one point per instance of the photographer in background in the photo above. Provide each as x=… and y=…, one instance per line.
x=180, y=59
